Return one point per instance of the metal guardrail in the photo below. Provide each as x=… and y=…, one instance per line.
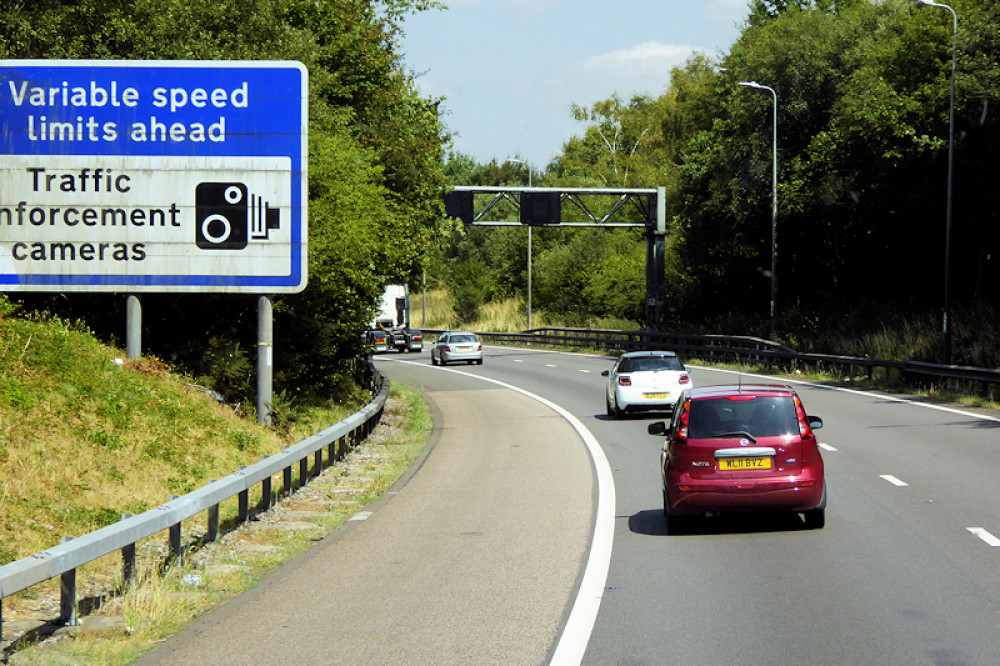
x=64, y=559
x=744, y=349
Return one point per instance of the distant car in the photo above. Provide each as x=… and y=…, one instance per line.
x=415, y=340
x=378, y=341
x=453, y=347
x=741, y=448
x=645, y=381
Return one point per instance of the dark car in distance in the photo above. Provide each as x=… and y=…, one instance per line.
x=741, y=448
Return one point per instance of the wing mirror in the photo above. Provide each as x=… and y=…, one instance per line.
x=659, y=429
x=815, y=422
x=606, y=373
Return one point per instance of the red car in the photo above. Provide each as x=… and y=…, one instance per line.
x=741, y=448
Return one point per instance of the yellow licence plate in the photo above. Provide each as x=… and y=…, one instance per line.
x=464, y=348
x=736, y=464
x=653, y=396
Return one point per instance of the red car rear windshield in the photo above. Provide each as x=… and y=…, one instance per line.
x=759, y=417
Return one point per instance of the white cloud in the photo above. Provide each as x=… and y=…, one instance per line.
x=644, y=59
x=640, y=69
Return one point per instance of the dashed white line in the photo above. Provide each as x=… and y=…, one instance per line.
x=990, y=540
x=550, y=365
x=826, y=447
x=518, y=360
x=894, y=481
x=586, y=372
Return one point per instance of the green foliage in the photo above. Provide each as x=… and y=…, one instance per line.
x=468, y=287
x=863, y=91
x=84, y=438
x=375, y=170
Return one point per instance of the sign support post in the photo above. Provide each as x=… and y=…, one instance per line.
x=265, y=360
x=133, y=327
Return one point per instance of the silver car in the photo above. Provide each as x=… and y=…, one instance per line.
x=454, y=347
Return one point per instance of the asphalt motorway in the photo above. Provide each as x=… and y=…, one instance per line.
x=906, y=571
x=472, y=558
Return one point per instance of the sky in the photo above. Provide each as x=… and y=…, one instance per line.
x=510, y=69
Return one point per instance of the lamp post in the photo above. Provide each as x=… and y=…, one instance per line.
x=946, y=317
x=529, y=243
x=774, y=206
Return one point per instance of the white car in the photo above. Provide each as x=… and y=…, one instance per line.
x=456, y=347
x=645, y=381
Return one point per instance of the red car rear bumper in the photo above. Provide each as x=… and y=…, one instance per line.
x=793, y=493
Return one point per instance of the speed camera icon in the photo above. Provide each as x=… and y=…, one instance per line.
x=228, y=217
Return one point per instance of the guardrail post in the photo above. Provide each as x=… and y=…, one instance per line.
x=265, y=494
x=67, y=595
x=243, y=514
x=318, y=462
x=213, y=523
x=128, y=559
x=243, y=499
x=303, y=472
x=175, y=537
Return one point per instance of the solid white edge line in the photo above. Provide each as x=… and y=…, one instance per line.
x=990, y=540
x=826, y=447
x=576, y=634
x=893, y=480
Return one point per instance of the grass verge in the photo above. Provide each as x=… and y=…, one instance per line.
x=164, y=600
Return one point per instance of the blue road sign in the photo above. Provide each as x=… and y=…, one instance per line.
x=153, y=176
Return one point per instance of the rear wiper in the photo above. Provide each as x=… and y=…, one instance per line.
x=738, y=433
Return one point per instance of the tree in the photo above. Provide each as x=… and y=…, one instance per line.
x=375, y=165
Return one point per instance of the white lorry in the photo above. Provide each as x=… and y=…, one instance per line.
x=394, y=319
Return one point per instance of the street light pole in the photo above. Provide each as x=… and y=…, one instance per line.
x=774, y=206
x=946, y=318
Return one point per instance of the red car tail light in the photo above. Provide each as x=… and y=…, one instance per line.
x=685, y=378
x=624, y=380
x=682, y=426
x=800, y=413
x=417, y=337
x=479, y=348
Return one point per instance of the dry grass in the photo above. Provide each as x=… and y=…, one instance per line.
x=506, y=316
x=86, y=436
x=160, y=603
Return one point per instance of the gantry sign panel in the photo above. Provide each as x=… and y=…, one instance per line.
x=153, y=176
x=543, y=206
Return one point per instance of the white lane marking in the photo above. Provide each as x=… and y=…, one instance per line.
x=826, y=447
x=518, y=360
x=550, y=365
x=893, y=480
x=361, y=515
x=580, y=623
x=586, y=372
x=985, y=536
